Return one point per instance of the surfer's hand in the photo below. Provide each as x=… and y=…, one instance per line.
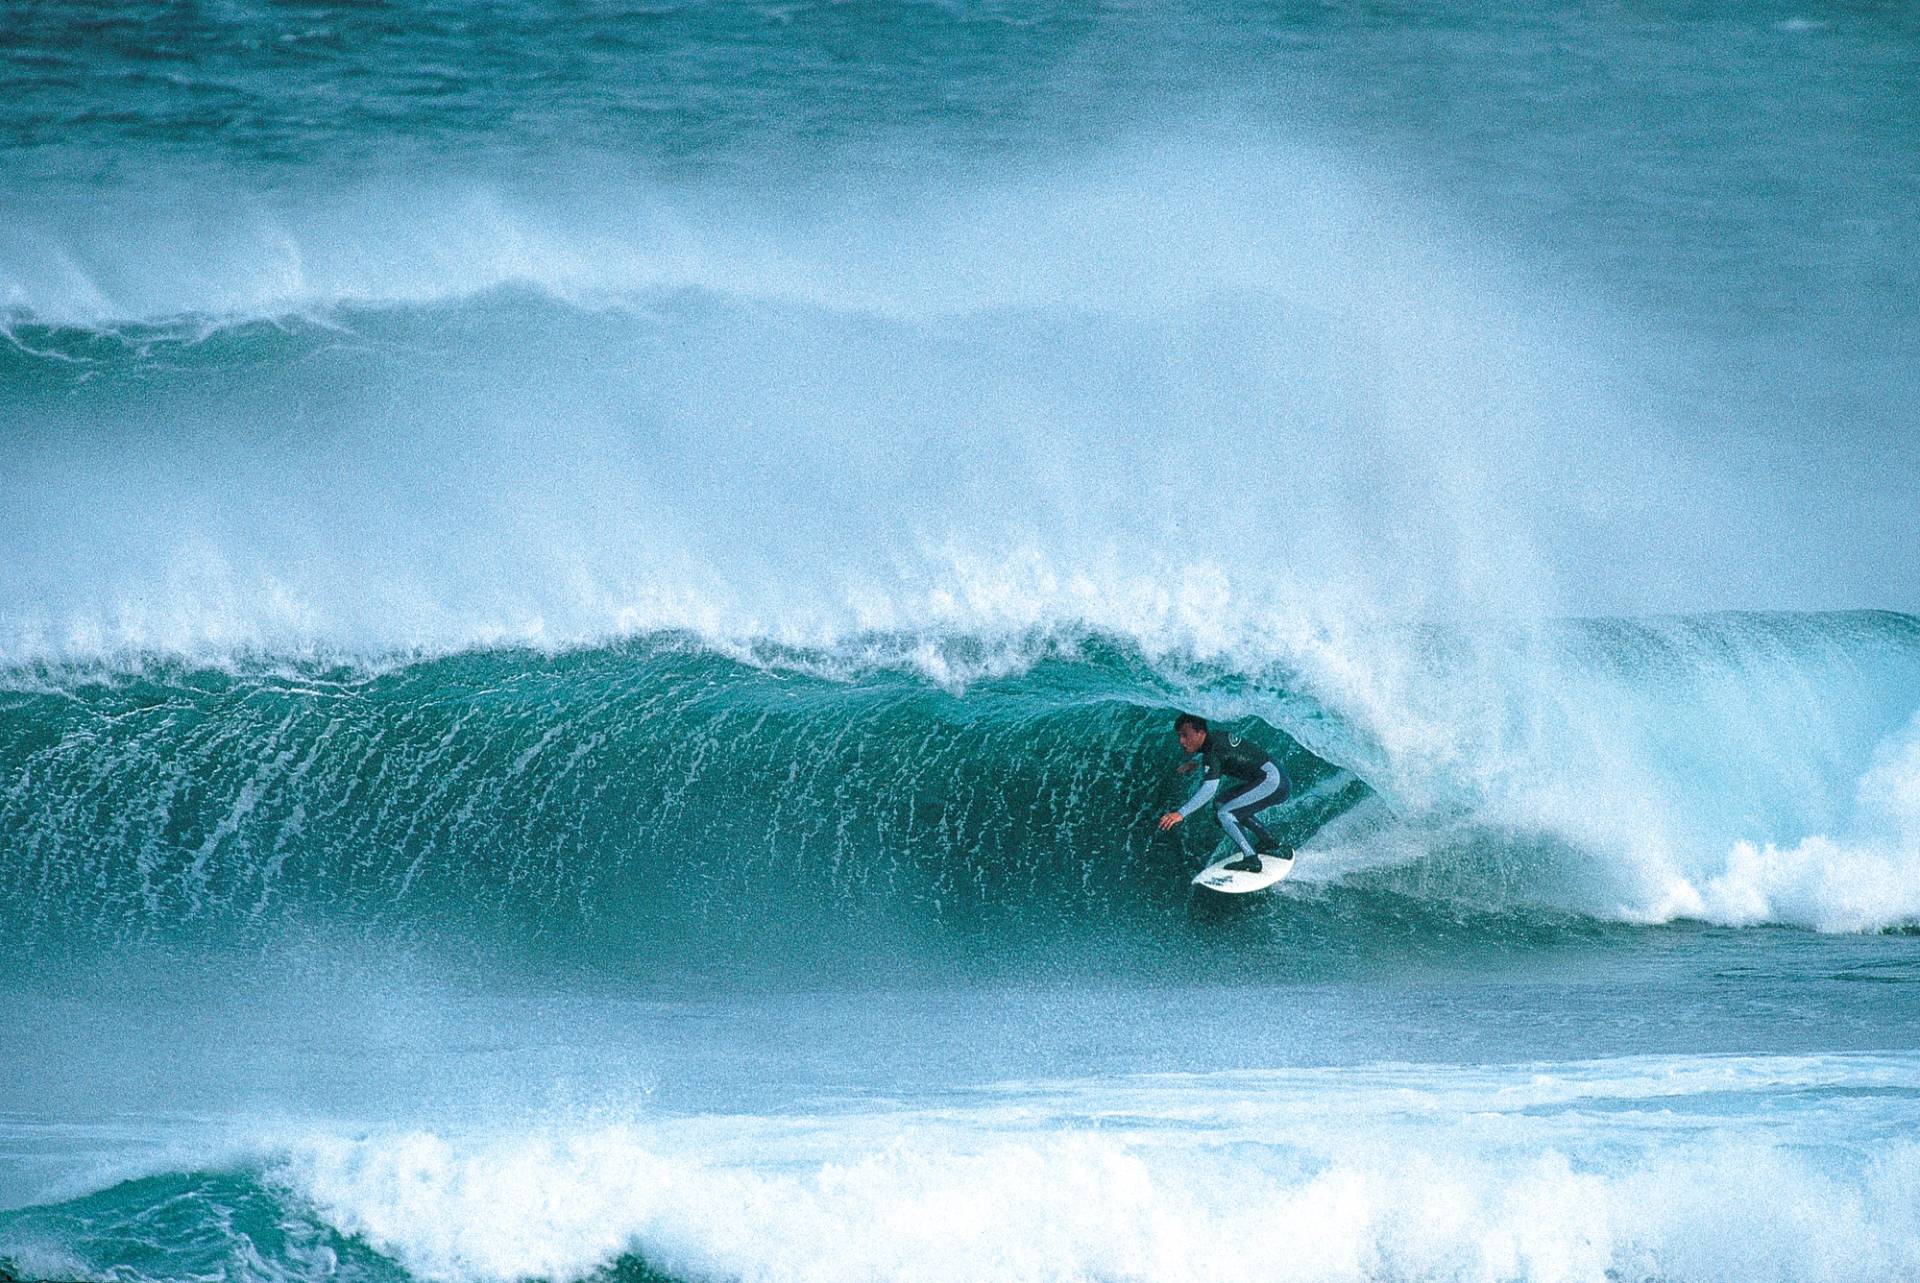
x=1184, y=767
x=1170, y=819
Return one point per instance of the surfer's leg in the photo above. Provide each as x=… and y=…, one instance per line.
x=1234, y=831
x=1232, y=811
x=1249, y=861
x=1238, y=807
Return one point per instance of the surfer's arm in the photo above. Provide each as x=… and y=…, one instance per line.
x=1201, y=798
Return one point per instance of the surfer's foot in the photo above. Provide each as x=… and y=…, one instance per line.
x=1245, y=864
x=1281, y=851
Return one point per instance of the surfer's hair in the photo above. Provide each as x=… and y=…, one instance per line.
x=1185, y=720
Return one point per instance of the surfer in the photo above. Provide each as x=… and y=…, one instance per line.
x=1258, y=783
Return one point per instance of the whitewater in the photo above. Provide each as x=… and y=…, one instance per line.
x=592, y=598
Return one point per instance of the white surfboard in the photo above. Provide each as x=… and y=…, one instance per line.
x=1218, y=877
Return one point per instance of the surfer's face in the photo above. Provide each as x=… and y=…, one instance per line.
x=1190, y=739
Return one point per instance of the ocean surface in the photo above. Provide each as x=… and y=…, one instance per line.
x=592, y=595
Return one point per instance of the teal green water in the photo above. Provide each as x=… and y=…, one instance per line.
x=591, y=596
x=709, y=803
x=509, y=965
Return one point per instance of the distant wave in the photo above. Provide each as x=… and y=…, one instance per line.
x=1158, y=222
x=437, y=415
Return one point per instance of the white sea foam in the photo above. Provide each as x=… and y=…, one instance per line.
x=1864, y=879
x=1731, y=770
x=1558, y=1173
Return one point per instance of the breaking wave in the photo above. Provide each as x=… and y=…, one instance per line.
x=1730, y=769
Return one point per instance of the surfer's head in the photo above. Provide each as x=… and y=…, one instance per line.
x=1191, y=731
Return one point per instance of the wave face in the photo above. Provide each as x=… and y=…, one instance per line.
x=654, y=792
x=1737, y=770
